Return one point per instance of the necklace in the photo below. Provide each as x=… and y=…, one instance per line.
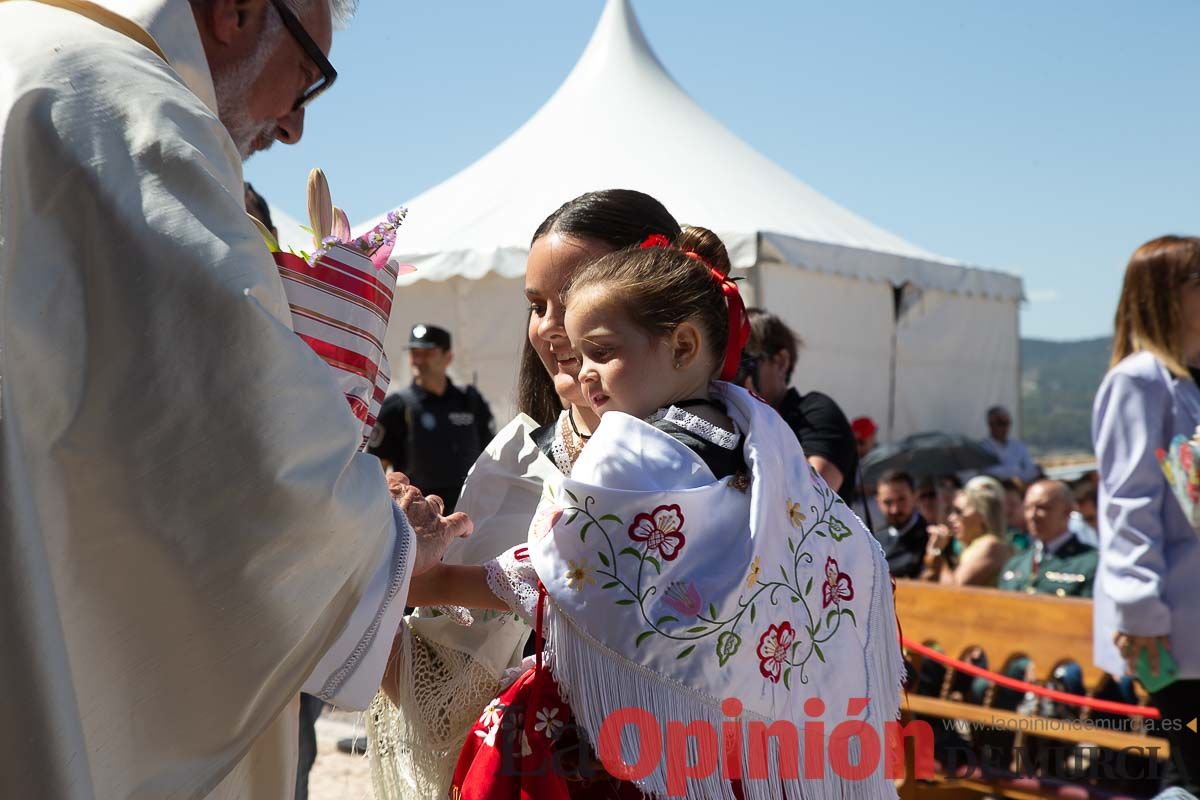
x=572, y=445
x=574, y=427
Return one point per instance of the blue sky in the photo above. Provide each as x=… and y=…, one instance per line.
x=1043, y=139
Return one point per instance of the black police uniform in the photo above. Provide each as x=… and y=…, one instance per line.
x=433, y=439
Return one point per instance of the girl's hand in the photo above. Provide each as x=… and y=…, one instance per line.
x=1130, y=648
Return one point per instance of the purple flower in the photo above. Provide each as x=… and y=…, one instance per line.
x=394, y=217
x=330, y=241
x=684, y=598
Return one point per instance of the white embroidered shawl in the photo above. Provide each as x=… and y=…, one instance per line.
x=672, y=591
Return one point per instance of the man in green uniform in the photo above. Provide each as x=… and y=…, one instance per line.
x=1057, y=563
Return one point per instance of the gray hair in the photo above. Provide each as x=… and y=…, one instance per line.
x=341, y=11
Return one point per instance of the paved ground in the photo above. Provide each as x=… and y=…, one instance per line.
x=337, y=776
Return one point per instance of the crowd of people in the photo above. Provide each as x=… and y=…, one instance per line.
x=198, y=554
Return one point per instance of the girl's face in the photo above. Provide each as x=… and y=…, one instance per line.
x=622, y=367
x=964, y=519
x=553, y=259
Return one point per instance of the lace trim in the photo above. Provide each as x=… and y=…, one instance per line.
x=713, y=434
x=515, y=584
x=558, y=448
x=415, y=746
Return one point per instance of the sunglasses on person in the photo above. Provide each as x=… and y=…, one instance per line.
x=328, y=73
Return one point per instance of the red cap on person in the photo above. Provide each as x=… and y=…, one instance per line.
x=863, y=427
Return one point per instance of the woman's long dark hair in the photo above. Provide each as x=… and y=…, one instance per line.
x=616, y=217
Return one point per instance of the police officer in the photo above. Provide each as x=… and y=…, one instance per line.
x=433, y=431
x=1058, y=563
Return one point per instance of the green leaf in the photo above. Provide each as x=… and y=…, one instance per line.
x=791, y=545
x=850, y=614
x=664, y=620
x=817, y=650
x=583, y=536
x=712, y=610
x=603, y=559
x=550, y=491
x=571, y=517
x=787, y=679
x=838, y=529
x=687, y=651
x=643, y=637
x=829, y=617
x=633, y=552
x=628, y=601
x=698, y=629
x=753, y=611
x=611, y=518
x=808, y=587
x=611, y=584
x=727, y=645
x=654, y=561
x=571, y=495
x=783, y=572
x=795, y=599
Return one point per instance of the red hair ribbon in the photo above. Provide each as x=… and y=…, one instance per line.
x=739, y=321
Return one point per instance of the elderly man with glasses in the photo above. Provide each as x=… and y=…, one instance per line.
x=190, y=537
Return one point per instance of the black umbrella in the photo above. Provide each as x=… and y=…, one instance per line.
x=927, y=455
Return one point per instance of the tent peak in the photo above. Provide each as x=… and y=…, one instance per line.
x=617, y=44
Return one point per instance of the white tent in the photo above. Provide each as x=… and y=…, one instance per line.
x=891, y=330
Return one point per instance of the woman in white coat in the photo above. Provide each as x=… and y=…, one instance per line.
x=1147, y=589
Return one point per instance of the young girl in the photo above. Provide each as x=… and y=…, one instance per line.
x=692, y=566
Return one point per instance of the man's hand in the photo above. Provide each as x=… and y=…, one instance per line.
x=434, y=532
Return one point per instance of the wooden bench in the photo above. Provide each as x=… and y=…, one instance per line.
x=1047, y=630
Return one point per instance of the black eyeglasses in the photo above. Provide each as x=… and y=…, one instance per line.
x=328, y=73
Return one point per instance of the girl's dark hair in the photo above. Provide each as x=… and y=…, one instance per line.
x=619, y=218
x=662, y=287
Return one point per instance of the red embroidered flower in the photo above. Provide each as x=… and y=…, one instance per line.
x=660, y=529
x=773, y=650
x=837, y=584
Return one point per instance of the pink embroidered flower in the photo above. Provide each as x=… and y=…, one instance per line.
x=773, y=650
x=547, y=517
x=837, y=585
x=660, y=529
x=684, y=598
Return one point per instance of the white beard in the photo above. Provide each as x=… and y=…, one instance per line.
x=233, y=84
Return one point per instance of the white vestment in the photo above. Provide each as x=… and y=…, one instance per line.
x=188, y=535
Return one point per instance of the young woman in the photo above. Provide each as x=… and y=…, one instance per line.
x=452, y=670
x=1147, y=592
x=977, y=522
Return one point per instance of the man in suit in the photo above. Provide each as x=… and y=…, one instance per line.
x=904, y=535
x=1058, y=563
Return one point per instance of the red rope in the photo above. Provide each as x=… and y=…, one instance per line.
x=1012, y=683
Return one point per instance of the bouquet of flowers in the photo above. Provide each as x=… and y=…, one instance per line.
x=341, y=298
x=1181, y=464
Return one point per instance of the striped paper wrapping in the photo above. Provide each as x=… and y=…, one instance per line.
x=341, y=306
